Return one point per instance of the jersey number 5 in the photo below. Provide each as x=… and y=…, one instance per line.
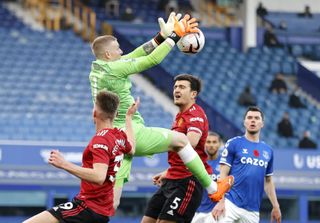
x=175, y=203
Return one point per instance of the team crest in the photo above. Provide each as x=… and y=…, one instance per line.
x=180, y=121
x=265, y=154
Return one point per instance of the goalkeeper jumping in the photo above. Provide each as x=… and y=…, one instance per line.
x=110, y=71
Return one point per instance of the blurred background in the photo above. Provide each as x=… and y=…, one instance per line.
x=264, y=53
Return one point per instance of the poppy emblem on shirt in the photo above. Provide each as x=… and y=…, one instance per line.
x=256, y=153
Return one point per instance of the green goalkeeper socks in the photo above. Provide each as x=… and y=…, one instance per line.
x=192, y=160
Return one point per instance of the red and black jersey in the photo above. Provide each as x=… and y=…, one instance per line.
x=108, y=146
x=192, y=120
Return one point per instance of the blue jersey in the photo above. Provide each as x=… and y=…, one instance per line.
x=250, y=162
x=207, y=205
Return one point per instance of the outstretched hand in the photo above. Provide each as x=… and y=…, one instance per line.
x=166, y=28
x=157, y=179
x=134, y=107
x=185, y=25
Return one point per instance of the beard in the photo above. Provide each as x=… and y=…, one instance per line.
x=212, y=153
x=177, y=103
x=252, y=132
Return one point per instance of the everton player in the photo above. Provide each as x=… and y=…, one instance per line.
x=250, y=161
x=204, y=211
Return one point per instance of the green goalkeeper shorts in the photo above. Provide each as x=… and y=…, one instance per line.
x=149, y=141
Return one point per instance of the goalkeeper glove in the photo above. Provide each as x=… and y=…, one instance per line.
x=183, y=27
x=166, y=28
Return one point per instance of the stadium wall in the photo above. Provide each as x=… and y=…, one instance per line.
x=291, y=5
x=309, y=82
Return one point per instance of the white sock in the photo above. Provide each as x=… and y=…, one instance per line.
x=187, y=153
x=212, y=188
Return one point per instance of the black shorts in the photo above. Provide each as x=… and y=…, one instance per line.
x=76, y=212
x=176, y=200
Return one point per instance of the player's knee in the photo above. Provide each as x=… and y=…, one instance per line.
x=180, y=140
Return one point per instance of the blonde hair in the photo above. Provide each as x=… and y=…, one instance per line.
x=100, y=45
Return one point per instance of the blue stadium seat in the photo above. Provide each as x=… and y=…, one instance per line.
x=275, y=67
x=53, y=88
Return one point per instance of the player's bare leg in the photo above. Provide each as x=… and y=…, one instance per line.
x=165, y=221
x=147, y=219
x=42, y=217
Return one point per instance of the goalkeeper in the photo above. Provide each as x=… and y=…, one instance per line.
x=110, y=71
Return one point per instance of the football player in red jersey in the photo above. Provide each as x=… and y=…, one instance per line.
x=180, y=193
x=100, y=162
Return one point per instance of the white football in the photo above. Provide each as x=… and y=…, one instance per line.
x=191, y=43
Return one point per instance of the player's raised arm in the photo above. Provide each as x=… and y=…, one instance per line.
x=166, y=28
x=125, y=67
x=129, y=129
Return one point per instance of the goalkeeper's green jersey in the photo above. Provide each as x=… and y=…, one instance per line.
x=114, y=76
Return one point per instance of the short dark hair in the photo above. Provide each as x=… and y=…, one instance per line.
x=108, y=102
x=254, y=108
x=211, y=133
x=195, y=82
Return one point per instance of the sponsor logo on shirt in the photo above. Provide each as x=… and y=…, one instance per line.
x=215, y=177
x=102, y=133
x=254, y=161
x=192, y=108
x=196, y=119
x=100, y=146
x=170, y=212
